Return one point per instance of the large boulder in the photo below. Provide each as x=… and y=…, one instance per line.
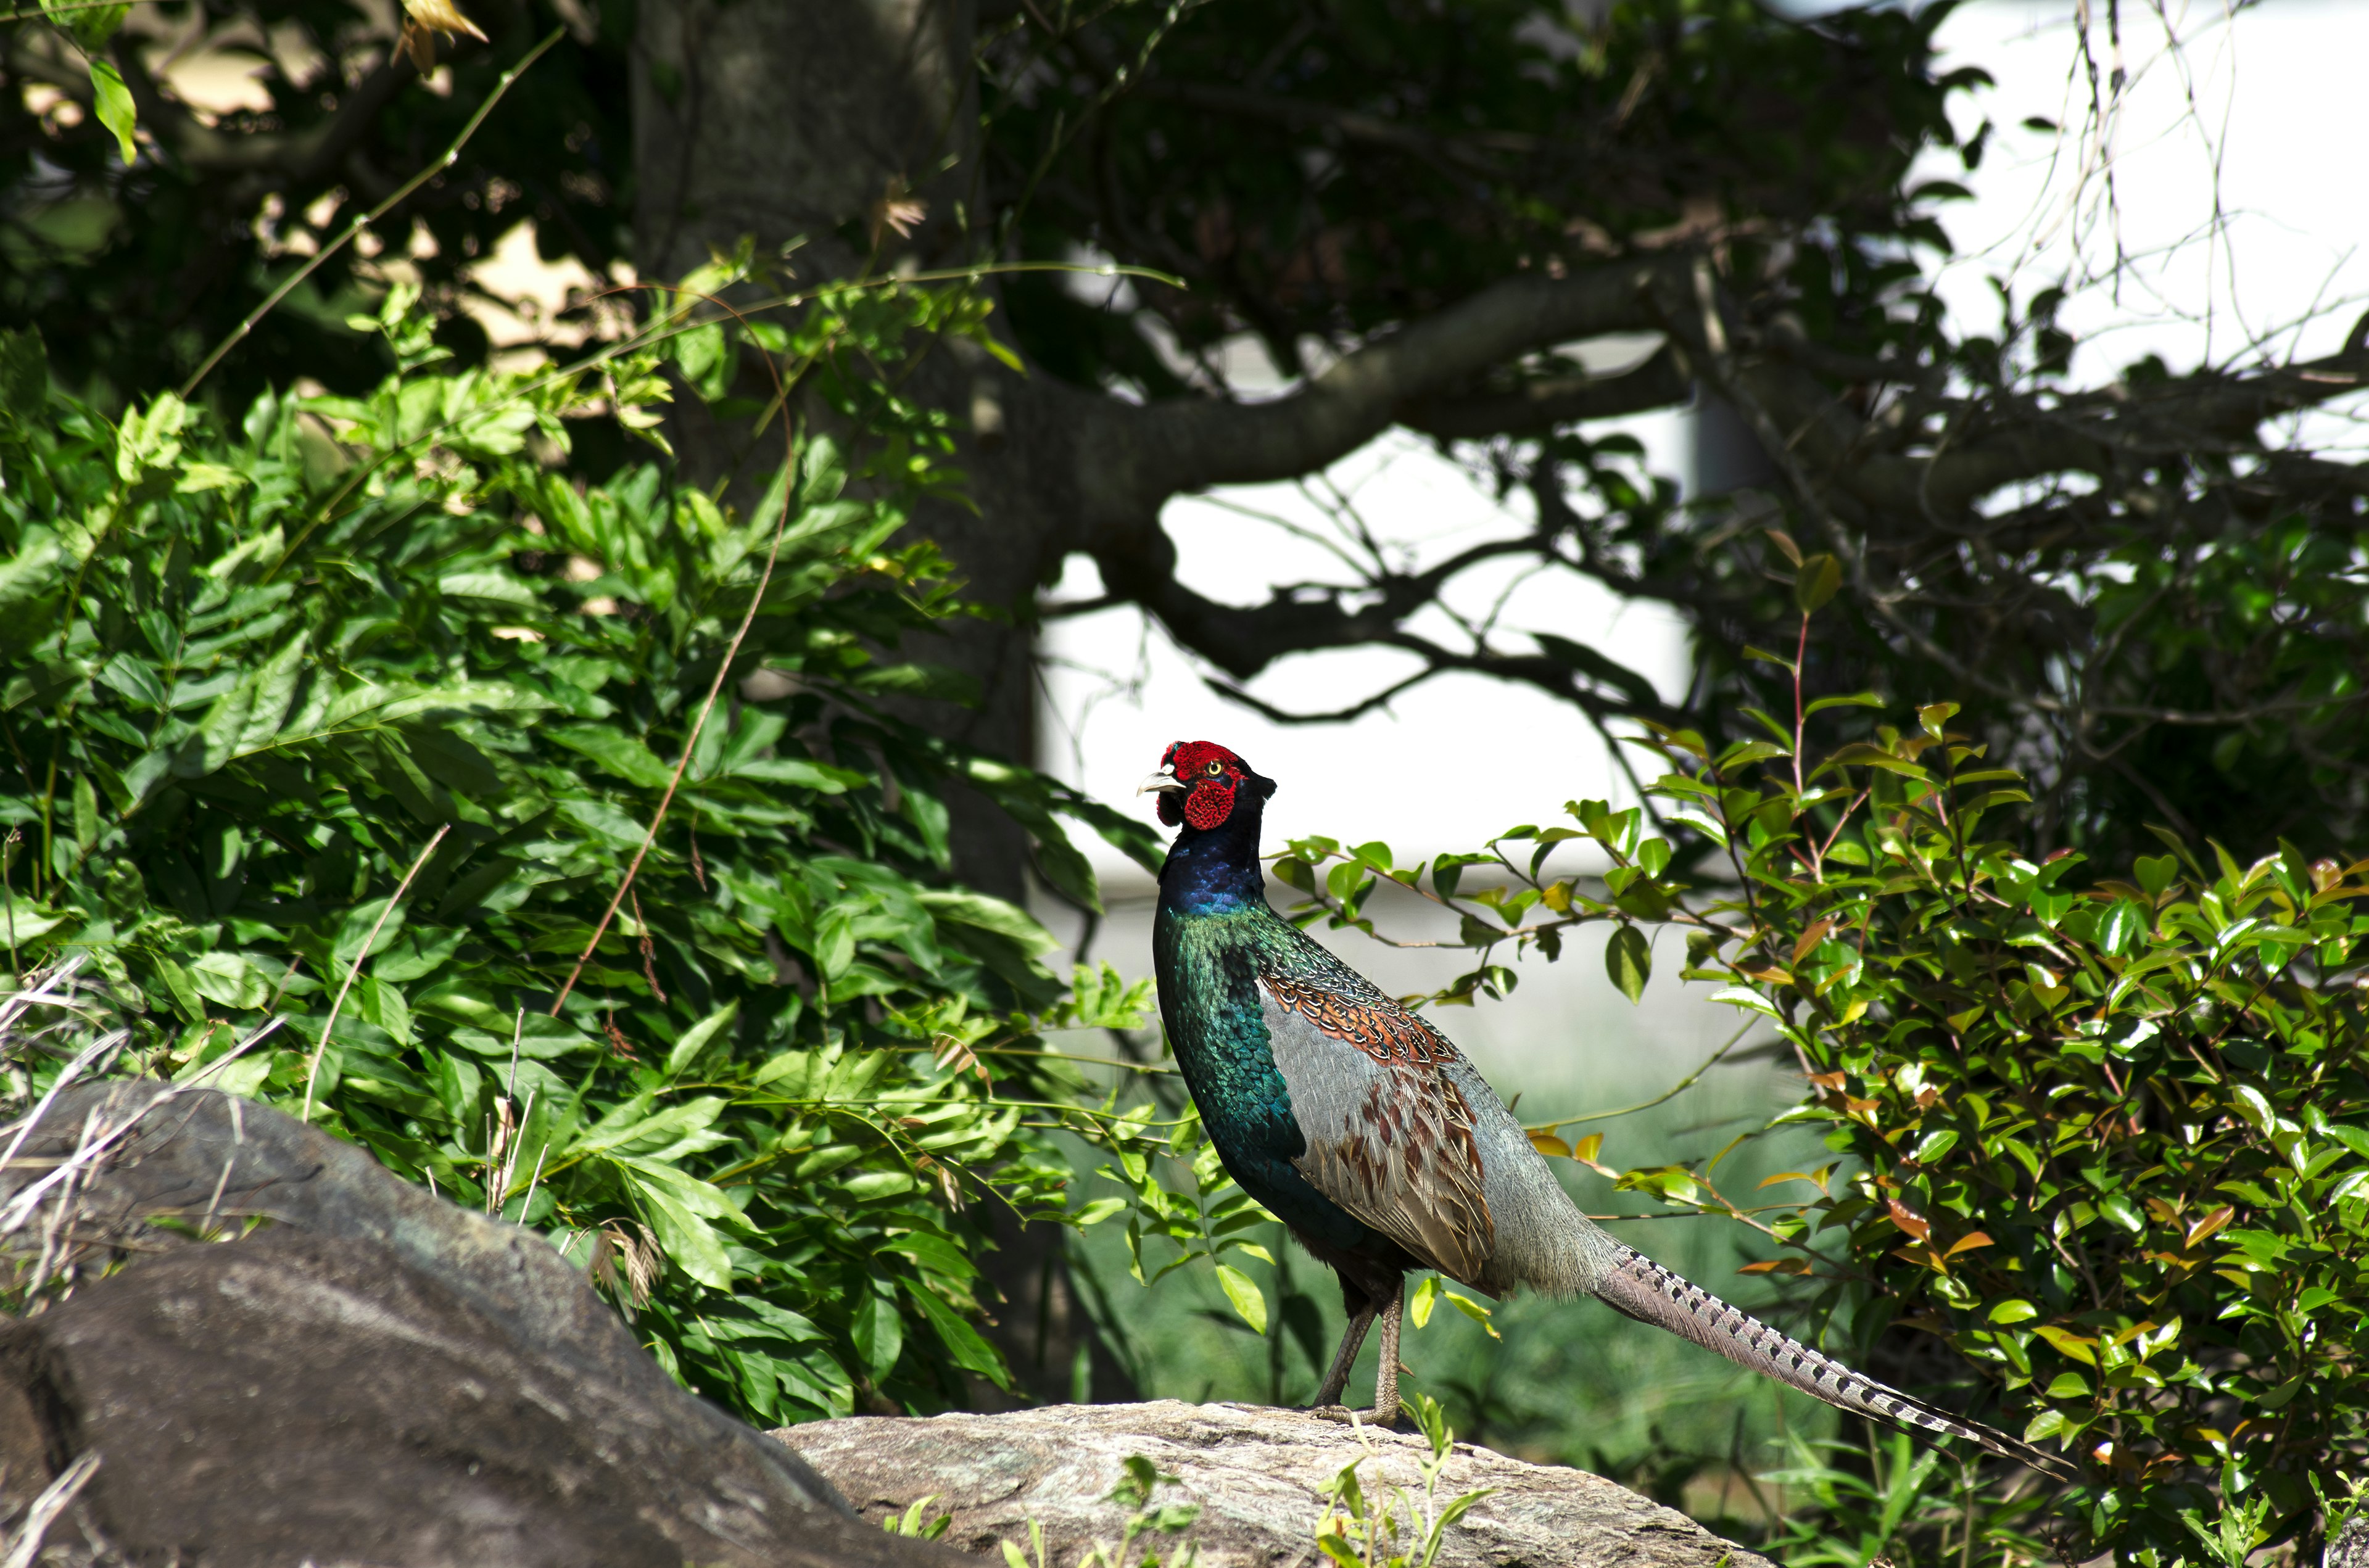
x=377, y=1376
x=1258, y=1475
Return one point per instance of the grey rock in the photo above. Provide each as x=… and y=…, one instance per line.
x=378, y=1376
x=1258, y=1475
x=2348, y=1548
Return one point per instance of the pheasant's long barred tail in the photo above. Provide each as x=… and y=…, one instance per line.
x=1645, y=1291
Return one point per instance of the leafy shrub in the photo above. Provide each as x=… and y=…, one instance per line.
x=375, y=687
x=2102, y=1132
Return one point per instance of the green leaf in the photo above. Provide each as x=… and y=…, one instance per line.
x=230, y=978
x=619, y=754
x=879, y=1334
x=1744, y=996
x=86, y=813
x=2118, y=930
x=989, y=914
x=1248, y=1300
x=497, y=587
x=111, y=101
x=1816, y=581
x=1629, y=960
x=682, y=1210
x=970, y=1352
x=695, y=1038
x=1702, y=822
x=1473, y=1310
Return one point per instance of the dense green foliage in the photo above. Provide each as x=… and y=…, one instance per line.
x=2102, y=1132
x=253, y=674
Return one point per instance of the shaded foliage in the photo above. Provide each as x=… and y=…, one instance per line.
x=266, y=679
x=134, y=269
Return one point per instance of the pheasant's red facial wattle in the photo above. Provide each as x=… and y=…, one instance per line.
x=1197, y=781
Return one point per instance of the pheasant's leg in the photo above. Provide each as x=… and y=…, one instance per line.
x=1386, y=1376
x=1353, y=1339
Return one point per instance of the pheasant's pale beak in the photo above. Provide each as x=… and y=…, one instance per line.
x=1163, y=780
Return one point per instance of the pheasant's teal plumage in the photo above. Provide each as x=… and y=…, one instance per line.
x=1366, y=1131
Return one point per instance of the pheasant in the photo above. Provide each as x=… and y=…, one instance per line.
x=1367, y=1132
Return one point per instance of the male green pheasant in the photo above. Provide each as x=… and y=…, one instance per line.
x=1367, y=1132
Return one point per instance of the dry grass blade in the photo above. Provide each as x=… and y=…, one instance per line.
x=81, y=1062
x=99, y=1135
x=49, y=989
x=53, y=1501
x=314, y=1071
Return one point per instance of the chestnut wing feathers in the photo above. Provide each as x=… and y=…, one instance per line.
x=1391, y=1137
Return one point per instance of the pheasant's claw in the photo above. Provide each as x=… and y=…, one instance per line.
x=1347, y=1417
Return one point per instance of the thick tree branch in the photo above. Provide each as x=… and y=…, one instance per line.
x=1540, y=407
x=1139, y=457
x=2016, y=441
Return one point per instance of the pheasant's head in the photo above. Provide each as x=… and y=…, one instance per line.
x=1199, y=783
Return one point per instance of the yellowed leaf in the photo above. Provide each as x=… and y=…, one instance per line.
x=442, y=16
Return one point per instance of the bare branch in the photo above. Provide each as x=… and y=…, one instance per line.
x=1136, y=457
x=1548, y=403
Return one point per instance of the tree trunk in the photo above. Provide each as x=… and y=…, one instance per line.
x=788, y=123
x=795, y=123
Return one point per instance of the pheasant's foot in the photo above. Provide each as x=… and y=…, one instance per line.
x=1388, y=1421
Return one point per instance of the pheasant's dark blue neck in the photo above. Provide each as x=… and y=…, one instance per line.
x=1216, y=871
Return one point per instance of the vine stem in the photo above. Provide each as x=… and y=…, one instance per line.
x=451, y=155
x=714, y=689
x=354, y=969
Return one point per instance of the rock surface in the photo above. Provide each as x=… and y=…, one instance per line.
x=1257, y=1473
x=380, y=1377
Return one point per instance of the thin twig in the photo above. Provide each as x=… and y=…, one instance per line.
x=451, y=155
x=532, y=1180
x=314, y=1071
x=9, y=893
x=237, y=1137
x=690, y=741
x=1676, y=1089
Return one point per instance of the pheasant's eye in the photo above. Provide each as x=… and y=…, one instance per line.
x=1215, y=767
